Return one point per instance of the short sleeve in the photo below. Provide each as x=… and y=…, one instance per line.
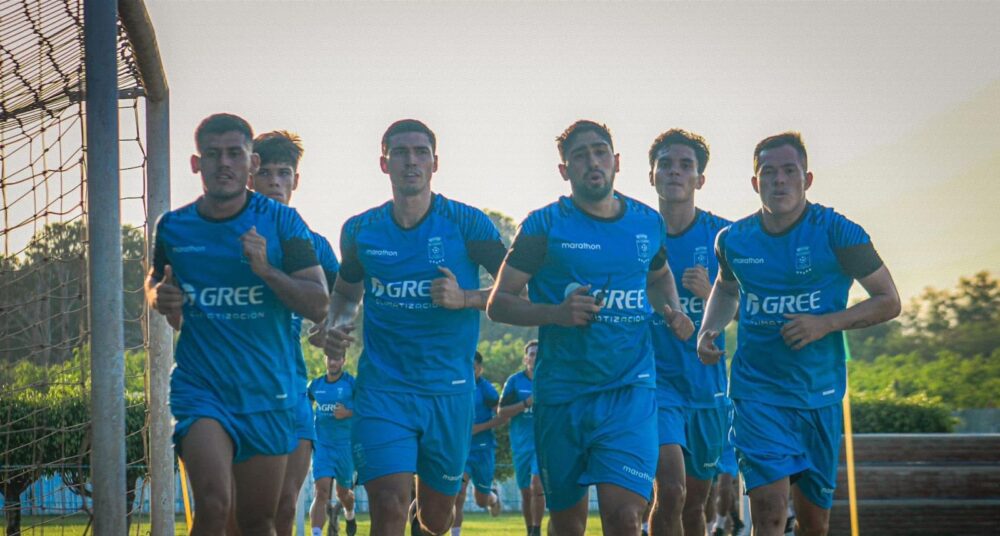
x=351, y=269
x=527, y=252
x=720, y=253
x=296, y=242
x=853, y=247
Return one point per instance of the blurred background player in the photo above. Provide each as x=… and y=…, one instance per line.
x=277, y=177
x=595, y=262
x=787, y=269
x=515, y=403
x=229, y=270
x=415, y=260
x=691, y=397
x=482, y=454
x=332, y=461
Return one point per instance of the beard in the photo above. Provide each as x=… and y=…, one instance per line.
x=593, y=192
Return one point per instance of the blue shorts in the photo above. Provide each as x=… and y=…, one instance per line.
x=804, y=444
x=607, y=437
x=333, y=461
x=480, y=467
x=263, y=433
x=525, y=466
x=412, y=433
x=701, y=433
x=305, y=427
x=727, y=461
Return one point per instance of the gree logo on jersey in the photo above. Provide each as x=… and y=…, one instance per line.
x=779, y=305
x=326, y=408
x=223, y=296
x=692, y=305
x=614, y=298
x=401, y=289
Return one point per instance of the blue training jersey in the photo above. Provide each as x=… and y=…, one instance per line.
x=522, y=426
x=235, y=340
x=807, y=269
x=681, y=378
x=484, y=401
x=329, y=429
x=328, y=261
x=410, y=344
x=564, y=248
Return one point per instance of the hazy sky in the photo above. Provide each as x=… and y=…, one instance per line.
x=497, y=81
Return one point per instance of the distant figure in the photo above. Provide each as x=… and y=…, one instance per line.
x=230, y=269
x=593, y=263
x=787, y=269
x=515, y=403
x=332, y=460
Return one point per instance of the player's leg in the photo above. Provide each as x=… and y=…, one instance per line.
x=571, y=521
x=296, y=469
x=811, y=519
x=706, y=436
x=207, y=451
x=388, y=500
x=343, y=474
x=768, y=504
x=456, y=526
x=443, y=450
x=346, y=497
x=537, y=502
x=694, y=505
x=813, y=490
x=724, y=501
x=670, y=492
x=266, y=440
x=621, y=510
x=321, y=498
x=710, y=502
x=523, y=462
x=480, y=468
x=562, y=460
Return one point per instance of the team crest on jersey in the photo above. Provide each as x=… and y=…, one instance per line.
x=701, y=256
x=642, y=247
x=435, y=250
x=340, y=392
x=803, y=260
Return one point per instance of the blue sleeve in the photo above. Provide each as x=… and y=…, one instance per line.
x=660, y=259
x=720, y=253
x=509, y=395
x=527, y=252
x=351, y=269
x=327, y=259
x=296, y=242
x=490, y=396
x=482, y=240
x=853, y=247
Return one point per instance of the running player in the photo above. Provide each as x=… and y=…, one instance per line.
x=515, y=403
x=332, y=463
x=277, y=177
x=595, y=261
x=234, y=266
x=415, y=260
x=691, y=397
x=482, y=457
x=788, y=269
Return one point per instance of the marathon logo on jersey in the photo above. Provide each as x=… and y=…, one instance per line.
x=803, y=260
x=748, y=260
x=580, y=245
x=188, y=249
x=807, y=302
x=701, y=256
x=381, y=253
x=435, y=250
x=643, y=248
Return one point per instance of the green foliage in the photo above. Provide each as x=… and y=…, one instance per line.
x=960, y=382
x=888, y=412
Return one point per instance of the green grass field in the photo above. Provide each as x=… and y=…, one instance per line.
x=475, y=524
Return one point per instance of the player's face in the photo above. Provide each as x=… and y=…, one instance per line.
x=410, y=162
x=225, y=163
x=334, y=365
x=275, y=180
x=478, y=369
x=529, y=359
x=781, y=181
x=590, y=167
x=675, y=174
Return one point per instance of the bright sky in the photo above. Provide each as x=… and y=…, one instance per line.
x=498, y=81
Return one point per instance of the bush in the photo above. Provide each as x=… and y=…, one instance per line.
x=886, y=412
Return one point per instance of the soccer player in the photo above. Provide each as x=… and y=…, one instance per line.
x=332, y=462
x=691, y=397
x=415, y=260
x=277, y=177
x=515, y=403
x=234, y=266
x=788, y=269
x=595, y=262
x=482, y=458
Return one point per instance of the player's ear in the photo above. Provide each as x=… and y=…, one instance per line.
x=753, y=182
x=195, y=164
x=809, y=179
x=254, y=163
x=435, y=168
x=563, y=172
x=701, y=181
x=295, y=183
x=383, y=163
x=617, y=160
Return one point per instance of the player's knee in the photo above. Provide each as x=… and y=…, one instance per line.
x=623, y=520
x=437, y=521
x=805, y=526
x=285, y=514
x=256, y=522
x=213, y=508
x=482, y=499
x=389, y=504
x=345, y=495
x=670, y=493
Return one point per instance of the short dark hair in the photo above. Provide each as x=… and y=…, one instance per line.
x=478, y=358
x=279, y=146
x=785, y=138
x=407, y=125
x=583, y=125
x=532, y=342
x=220, y=124
x=679, y=136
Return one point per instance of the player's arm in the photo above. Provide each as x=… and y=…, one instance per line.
x=162, y=292
x=446, y=293
x=515, y=408
x=507, y=303
x=662, y=292
x=722, y=306
x=496, y=420
x=302, y=290
x=334, y=336
x=342, y=412
x=881, y=305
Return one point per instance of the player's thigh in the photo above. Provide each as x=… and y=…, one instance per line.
x=321, y=487
x=480, y=468
x=258, y=501
x=571, y=521
x=561, y=453
x=621, y=509
x=296, y=468
x=389, y=495
x=767, y=443
x=623, y=443
x=443, y=445
x=207, y=453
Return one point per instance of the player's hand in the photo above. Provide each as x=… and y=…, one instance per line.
x=167, y=297
x=804, y=329
x=446, y=292
x=708, y=352
x=255, y=250
x=340, y=411
x=317, y=335
x=578, y=309
x=679, y=323
x=528, y=402
x=338, y=339
x=695, y=279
